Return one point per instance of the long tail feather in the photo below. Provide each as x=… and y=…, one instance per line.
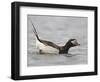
x=34, y=30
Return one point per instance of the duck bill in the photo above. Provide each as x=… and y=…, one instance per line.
x=77, y=44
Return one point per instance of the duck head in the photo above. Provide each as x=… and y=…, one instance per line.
x=72, y=43
x=68, y=45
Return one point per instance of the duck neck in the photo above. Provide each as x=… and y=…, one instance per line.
x=65, y=49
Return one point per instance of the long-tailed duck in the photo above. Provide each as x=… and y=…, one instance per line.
x=45, y=46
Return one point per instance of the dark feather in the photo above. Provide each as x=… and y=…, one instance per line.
x=48, y=43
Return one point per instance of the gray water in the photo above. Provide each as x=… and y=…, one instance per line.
x=58, y=29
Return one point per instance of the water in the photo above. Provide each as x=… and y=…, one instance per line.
x=59, y=30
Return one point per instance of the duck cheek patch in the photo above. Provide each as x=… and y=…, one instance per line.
x=74, y=42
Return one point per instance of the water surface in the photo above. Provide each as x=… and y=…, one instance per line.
x=59, y=30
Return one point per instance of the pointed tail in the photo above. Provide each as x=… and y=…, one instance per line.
x=34, y=30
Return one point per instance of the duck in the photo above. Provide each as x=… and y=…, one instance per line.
x=45, y=46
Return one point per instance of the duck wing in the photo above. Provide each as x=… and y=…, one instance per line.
x=48, y=43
